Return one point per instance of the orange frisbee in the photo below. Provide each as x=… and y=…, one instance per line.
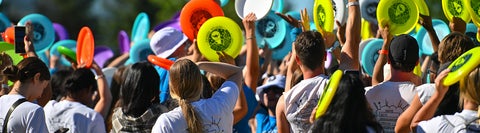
x=161, y=62
x=195, y=13
x=85, y=47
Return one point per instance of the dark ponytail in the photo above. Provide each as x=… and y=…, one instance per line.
x=26, y=69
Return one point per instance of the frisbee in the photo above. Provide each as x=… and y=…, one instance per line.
x=401, y=15
x=123, y=42
x=224, y=2
x=141, y=27
x=174, y=23
x=9, y=35
x=370, y=55
x=43, y=32
x=195, y=13
x=462, y=66
x=340, y=12
x=362, y=45
x=323, y=15
x=422, y=7
x=368, y=9
x=60, y=32
x=70, y=44
x=161, y=62
x=473, y=8
x=285, y=47
x=472, y=33
x=109, y=72
x=456, y=8
x=69, y=53
x=140, y=51
x=85, y=47
x=423, y=39
x=328, y=93
x=270, y=30
x=259, y=7
x=102, y=54
x=219, y=34
x=277, y=6
x=4, y=22
x=9, y=49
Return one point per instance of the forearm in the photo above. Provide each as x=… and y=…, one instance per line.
x=405, y=119
x=349, y=54
x=224, y=70
x=103, y=104
x=252, y=63
x=428, y=110
x=241, y=108
x=377, y=76
x=434, y=39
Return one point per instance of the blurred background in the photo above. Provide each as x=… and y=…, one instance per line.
x=107, y=17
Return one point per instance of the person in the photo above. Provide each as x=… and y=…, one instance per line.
x=458, y=122
x=200, y=115
x=57, y=82
x=450, y=48
x=349, y=110
x=31, y=76
x=267, y=95
x=73, y=113
x=139, y=105
x=390, y=98
x=5, y=61
x=308, y=52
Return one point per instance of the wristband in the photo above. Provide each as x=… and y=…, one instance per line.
x=385, y=52
x=355, y=3
x=99, y=77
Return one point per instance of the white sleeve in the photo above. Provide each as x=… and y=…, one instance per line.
x=429, y=126
x=425, y=91
x=36, y=121
x=98, y=124
x=162, y=125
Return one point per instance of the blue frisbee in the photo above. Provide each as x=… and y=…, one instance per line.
x=442, y=30
x=370, y=55
x=43, y=32
x=141, y=27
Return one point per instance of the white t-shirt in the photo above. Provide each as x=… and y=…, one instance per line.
x=216, y=113
x=425, y=91
x=388, y=100
x=26, y=118
x=301, y=100
x=448, y=123
x=75, y=116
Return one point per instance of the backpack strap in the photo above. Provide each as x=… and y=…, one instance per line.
x=18, y=102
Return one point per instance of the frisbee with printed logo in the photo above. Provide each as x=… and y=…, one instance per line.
x=71, y=44
x=473, y=8
x=328, y=93
x=270, y=30
x=141, y=27
x=219, y=34
x=400, y=15
x=456, y=8
x=259, y=7
x=43, y=32
x=195, y=13
x=422, y=7
x=85, y=47
x=161, y=62
x=462, y=66
x=323, y=15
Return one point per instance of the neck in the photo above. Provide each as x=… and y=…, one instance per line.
x=22, y=89
x=469, y=105
x=308, y=73
x=400, y=76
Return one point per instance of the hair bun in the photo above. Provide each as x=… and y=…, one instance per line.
x=11, y=72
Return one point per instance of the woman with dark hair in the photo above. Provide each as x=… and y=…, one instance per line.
x=200, y=115
x=139, y=105
x=74, y=113
x=348, y=111
x=31, y=76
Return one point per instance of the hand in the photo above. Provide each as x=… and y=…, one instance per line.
x=194, y=52
x=329, y=39
x=305, y=20
x=385, y=33
x=249, y=24
x=426, y=22
x=29, y=37
x=225, y=58
x=341, y=32
x=439, y=82
x=457, y=24
x=265, y=52
x=292, y=21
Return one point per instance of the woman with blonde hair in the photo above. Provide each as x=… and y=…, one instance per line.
x=460, y=121
x=200, y=115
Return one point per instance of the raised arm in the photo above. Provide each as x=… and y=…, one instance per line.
x=428, y=110
x=252, y=69
x=349, y=54
x=377, y=76
x=224, y=70
x=103, y=104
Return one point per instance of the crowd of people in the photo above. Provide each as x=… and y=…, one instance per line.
x=252, y=92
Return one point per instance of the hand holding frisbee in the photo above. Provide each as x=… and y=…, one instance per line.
x=328, y=93
x=400, y=15
x=219, y=34
x=462, y=66
x=85, y=47
x=456, y=8
x=43, y=32
x=259, y=7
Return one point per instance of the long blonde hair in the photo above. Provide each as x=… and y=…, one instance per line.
x=185, y=83
x=469, y=87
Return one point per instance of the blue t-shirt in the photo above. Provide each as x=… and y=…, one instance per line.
x=242, y=125
x=265, y=123
x=164, y=90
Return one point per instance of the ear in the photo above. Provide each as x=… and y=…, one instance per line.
x=298, y=60
x=36, y=78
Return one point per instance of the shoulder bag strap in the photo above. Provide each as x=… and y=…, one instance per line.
x=18, y=102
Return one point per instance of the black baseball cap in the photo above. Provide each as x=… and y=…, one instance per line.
x=404, y=49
